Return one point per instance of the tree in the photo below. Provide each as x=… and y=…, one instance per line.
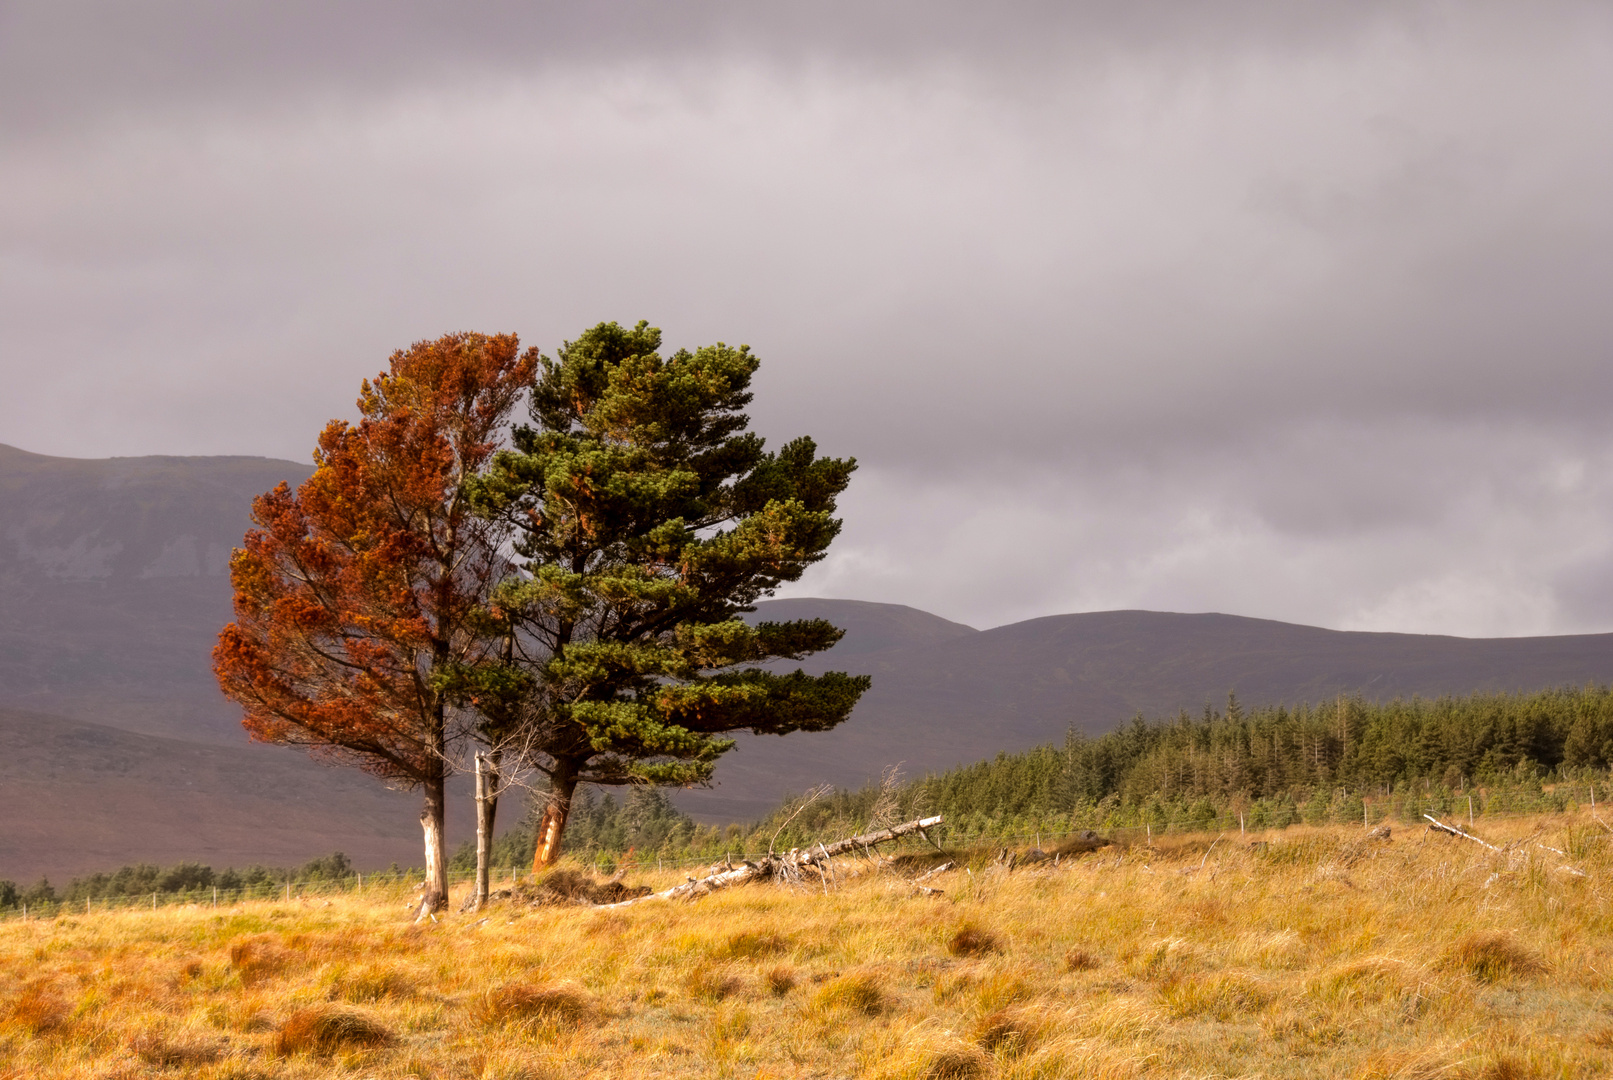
x=647, y=521
x=357, y=595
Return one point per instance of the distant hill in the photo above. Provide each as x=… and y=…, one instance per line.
x=113, y=586
x=85, y=797
x=114, y=583
x=953, y=695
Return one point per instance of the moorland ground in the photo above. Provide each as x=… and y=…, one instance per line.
x=1309, y=952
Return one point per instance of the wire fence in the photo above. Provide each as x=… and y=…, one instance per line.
x=404, y=884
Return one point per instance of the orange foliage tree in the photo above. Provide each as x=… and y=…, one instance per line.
x=356, y=595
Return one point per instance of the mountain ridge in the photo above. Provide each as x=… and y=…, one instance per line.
x=108, y=614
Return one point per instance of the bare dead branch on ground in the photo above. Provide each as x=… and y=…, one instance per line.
x=786, y=868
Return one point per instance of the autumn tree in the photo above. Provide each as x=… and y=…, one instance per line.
x=358, y=593
x=648, y=520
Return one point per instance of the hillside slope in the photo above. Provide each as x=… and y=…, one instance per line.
x=958, y=697
x=114, y=583
x=113, y=586
x=88, y=797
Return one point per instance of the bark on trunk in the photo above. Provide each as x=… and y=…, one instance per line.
x=431, y=822
x=553, y=823
x=487, y=781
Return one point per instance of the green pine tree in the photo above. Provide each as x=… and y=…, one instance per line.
x=649, y=520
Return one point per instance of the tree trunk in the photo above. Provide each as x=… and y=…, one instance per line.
x=487, y=781
x=431, y=825
x=562, y=784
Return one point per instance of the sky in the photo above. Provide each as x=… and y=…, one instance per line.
x=1291, y=310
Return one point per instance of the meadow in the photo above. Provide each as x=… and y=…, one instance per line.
x=1313, y=951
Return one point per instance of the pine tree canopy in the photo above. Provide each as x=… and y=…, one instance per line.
x=647, y=521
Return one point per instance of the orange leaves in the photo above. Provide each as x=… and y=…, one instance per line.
x=465, y=383
x=351, y=590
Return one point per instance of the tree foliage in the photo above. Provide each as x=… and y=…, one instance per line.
x=647, y=520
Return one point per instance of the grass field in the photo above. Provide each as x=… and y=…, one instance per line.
x=1311, y=952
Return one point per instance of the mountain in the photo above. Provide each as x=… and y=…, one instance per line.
x=114, y=583
x=115, y=743
x=88, y=797
x=953, y=694
x=113, y=586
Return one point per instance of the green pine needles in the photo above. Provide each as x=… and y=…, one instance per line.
x=647, y=521
x=1346, y=760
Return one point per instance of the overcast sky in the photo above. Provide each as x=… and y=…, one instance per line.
x=1300, y=311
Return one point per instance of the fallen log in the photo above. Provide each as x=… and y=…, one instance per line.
x=879, y=836
x=787, y=867
x=1454, y=831
x=918, y=882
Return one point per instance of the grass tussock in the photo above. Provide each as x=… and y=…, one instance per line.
x=169, y=1051
x=1007, y=1031
x=858, y=992
x=258, y=958
x=1491, y=957
x=712, y=984
x=955, y=1063
x=755, y=945
x=973, y=940
x=1077, y=958
x=1326, y=952
x=780, y=980
x=326, y=1030
x=1002, y=988
x=37, y=1010
x=524, y=1004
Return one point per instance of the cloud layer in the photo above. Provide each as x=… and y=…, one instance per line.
x=1295, y=312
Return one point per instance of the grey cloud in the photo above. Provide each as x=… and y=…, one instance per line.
x=70, y=58
x=1287, y=309
x=1445, y=531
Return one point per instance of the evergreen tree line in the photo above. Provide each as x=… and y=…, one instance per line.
x=181, y=879
x=1342, y=760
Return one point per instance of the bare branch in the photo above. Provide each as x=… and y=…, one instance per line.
x=811, y=797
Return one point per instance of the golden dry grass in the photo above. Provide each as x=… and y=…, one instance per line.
x=324, y=1030
x=1319, y=954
